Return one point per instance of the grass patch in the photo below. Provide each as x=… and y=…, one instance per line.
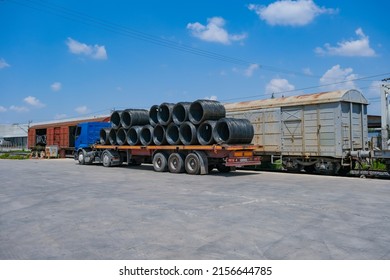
x=14, y=156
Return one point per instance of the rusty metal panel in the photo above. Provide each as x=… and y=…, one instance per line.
x=31, y=138
x=50, y=136
x=64, y=137
x=56, y=136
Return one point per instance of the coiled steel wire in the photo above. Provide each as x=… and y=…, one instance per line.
x=121, y=136
x=187, y=133
x=115, y=119
x=180, y=112
x=172, y=134
x=153, y=120
x=132, y=117
x=133, y=135
x=233, y=131
x=159, y=135
x=164, y=114
x=146, y=135
x=202, y=110
x=205, y=132
x=104, y=132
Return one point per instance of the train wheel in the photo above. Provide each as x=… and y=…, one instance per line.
x=160, y=162
x=192, y=164
x=176, y=163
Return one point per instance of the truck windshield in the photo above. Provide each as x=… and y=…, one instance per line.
x=78, y=131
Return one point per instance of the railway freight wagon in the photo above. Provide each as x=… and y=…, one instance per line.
x=324, y=132
x=59, y=134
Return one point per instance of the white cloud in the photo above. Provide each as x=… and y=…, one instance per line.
x=82, y=110
x=3, y=63
x=338, y=78
x=33, y=101
x=57, y=86
x=60, y=116
x=278, y=85
x=289, y=12
x=358, y=47
x=214, y=31
x=252, y=68
x=307, y=71
x=3, y=109
x=212, y=97
x=94, y=52
x=18, y=109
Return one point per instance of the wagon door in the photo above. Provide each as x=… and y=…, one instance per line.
x=292, y=140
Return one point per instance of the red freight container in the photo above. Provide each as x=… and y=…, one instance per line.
x=60, y=134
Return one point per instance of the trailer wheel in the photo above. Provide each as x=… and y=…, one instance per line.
x=81, y=157
x=160, y=162
x=192, y=164
x=176, y=163
x=106, y=159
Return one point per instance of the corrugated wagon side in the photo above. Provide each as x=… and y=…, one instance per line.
x=322, y=132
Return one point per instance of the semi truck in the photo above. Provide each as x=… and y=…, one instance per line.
x=191, y=159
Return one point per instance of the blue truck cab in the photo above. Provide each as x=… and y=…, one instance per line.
x=87, y=134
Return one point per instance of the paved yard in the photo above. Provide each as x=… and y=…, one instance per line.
x=56, y=209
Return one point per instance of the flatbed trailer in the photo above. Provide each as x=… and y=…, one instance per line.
x=192, y=159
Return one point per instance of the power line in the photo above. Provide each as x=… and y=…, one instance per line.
x=139, y=35
x=306, y=88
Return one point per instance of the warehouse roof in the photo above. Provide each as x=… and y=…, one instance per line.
x=353, y=96
x=13, y=130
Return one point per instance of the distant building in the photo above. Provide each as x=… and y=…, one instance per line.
x=13, y=136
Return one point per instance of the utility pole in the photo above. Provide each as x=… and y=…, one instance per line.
x=385, y=113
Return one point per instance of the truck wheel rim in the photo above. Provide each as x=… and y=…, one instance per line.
x=106, y=159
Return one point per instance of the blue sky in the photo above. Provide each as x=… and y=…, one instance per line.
x=65, y=59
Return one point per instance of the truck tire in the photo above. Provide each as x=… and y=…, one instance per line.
x=160, y=162
x=176, y=163
x=192, y=164
x=106, y=159
x=81, y=157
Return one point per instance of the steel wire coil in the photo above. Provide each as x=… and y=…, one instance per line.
x=205, y=132
x=172, y=134
x=121, y=136
x=180, y=112
x=153, y=120
x=146, y=135
x=202, y=110
x=104, y=132
x=233, y=131
x=115, y=119
x=187, y=133
x=133, y=135
x=159, y=135
x=132, y=117
x=112, y=136
x=164, y=114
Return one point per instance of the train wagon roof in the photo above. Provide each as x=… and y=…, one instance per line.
x=70, y=122
x=353, y=96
